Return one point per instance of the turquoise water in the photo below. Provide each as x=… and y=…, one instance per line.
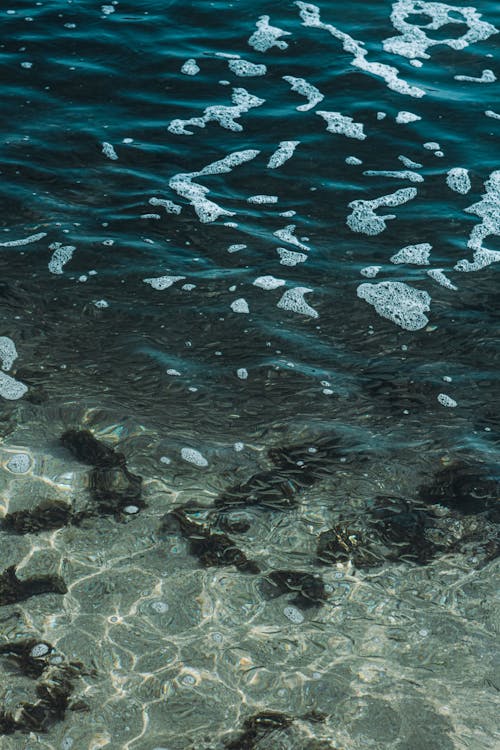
x=252, y=248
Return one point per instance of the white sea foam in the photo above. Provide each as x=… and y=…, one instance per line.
x=101, y=304
x=353, y=160
x=242, y=373
x=236, y=248
x=446, y=400
x=409, y=162
x=370, y=271
x=398, y=175
x=404, y=117
x=109, y=151
x=183, y=184
x=417, y=255
x=8, y=352
x=243, y=68
x=490, y=113
x=293, y=614
x=488, y=209
x=169, y=206
x=487, y=76
x=10, y=388
x=293, y=300
x=413, y=41
x=62, y=254
x=282, y=154
x=458, y=180
x=192, y=456
x=310, y=15
x=163, y=282
x=19, y=463
x=268, y=282
x=240, y=306
x=267, y=36
x=438, y=275
x=24, y=241
x=190, y=67
x=342, y=125
x=290, y=257
x=226, y=116
x=302, y=87
x=363, y=217
x=287, y=235
x=262, y=199
x=398, y=302
x=432, y=146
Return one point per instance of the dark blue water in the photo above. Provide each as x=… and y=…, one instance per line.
x=228, y=228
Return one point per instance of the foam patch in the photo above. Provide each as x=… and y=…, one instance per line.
x=363, y=217
x=413, y=40
x=342, y=125
x=418, y=255
x=310, y=15
x=282, y=154
x=398, y=302
x=458, y=180
x=293, y=300
x=243, y=68
x=163, y=282
x=267, y=36
x=302, y=87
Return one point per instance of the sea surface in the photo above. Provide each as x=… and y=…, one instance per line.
x=249, y=340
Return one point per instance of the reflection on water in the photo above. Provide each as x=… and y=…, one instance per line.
x=248, y=470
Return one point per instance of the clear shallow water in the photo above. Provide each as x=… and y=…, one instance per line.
x=401, y=654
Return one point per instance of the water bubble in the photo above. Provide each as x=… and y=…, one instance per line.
x=294, y=614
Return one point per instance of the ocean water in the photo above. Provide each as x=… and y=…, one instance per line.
x=251, y=249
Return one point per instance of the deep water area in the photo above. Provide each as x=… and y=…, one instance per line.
x=250, y=370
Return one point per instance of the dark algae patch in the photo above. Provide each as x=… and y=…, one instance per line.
x=114, y=489
x=13, y=589
x=49, y=514
x=55, y=685
x=211, y=548
x=308, y=589
x=256, y=728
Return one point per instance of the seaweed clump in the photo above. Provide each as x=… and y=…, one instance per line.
x=114, y=489
x=309, y=589
x=256, y=727
x=464, y=488
x=13, y=590
x=48, y=515
x=296, y=468
x=211, y=548
x=31, y=658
